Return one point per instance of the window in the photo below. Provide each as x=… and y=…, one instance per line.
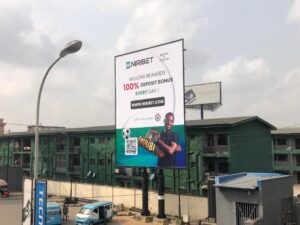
x=60, y=162
x=26, y=144
x=101, y=162
x=246, y=211
x=92, y=140
x=60, y=143
x=76, y=160
x=101, y=139
x=211, y=166
x=298, y=160
x=281, y=141
x=17, y=145
x=222, y=139
x=297, y=143
x=210, y=140
x=193, y=164
x=76, y=142
x=298, y=178
x=44, y=141
x=223, y=167
x=92, y=161
x=280, y=157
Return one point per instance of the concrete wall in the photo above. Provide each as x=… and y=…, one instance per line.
x=194, y=207
x=273, y=191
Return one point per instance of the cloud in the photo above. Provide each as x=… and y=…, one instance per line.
x=243, y=84
x=250, y=88
x=155, y=22
x=240, y=74
x=15, y=81
x=294, y=12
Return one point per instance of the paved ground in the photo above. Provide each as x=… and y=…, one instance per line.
x=10, y=210
x=10, y=213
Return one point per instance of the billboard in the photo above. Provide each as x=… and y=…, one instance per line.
x=208, y=94
x=150, y=130
x=27, y=201
x=40, y=206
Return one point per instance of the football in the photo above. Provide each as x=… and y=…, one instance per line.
x=126, y=133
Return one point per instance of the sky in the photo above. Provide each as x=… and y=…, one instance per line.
x=251, y=46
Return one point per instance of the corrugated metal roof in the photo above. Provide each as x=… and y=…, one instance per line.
x=294, y=130
x=65, y=131
x=226, y=122
x=245, y=180
x=217, y=122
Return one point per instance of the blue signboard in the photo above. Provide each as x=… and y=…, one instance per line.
x=40, y=209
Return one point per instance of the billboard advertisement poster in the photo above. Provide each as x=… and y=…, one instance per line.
x=40, y=207
x=27, y=201
x=150, y=129
x=203, y=94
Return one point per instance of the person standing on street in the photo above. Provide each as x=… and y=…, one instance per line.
x=65, y=212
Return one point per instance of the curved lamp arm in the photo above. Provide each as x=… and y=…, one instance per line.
x=36, y=144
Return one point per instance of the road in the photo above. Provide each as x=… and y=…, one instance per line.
x=11, y=208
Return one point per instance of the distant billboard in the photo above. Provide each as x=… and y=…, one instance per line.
x=208, y=95
x=150, y=129
x=27, y=201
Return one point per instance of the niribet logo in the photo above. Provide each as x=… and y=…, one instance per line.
x=139, y=62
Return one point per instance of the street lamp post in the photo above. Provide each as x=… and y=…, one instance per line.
x=70, y=48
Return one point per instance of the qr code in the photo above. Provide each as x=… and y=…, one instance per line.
x=131, y=146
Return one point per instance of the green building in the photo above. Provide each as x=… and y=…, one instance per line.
x=214, y=147
x=286, y=152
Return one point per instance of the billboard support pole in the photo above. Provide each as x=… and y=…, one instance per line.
x=145, y=210
x=179, y=200
x=161, y=195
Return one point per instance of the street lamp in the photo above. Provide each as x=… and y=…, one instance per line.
x=70, y=48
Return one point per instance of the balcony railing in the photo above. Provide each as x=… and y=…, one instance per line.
x=282, y=163
x=215, y=149
x=74, y=149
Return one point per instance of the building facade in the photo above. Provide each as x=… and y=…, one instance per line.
x=214, y=147
x=286, y=152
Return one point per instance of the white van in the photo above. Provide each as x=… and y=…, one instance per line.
x=94, y=213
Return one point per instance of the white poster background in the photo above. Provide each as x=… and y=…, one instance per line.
x=166, y=63
x=208, y=93
x=27, y=197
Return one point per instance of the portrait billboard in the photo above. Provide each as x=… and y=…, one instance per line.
x=40, y=206
x=150, y=129
x=27, y=201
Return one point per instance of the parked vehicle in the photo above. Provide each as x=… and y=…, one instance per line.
x=3, y=188
x=4, y=192
x=53, y=213
x=94, y=213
